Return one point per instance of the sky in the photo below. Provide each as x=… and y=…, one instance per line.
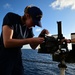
x=53, y=11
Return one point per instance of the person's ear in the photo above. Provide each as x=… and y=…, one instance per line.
x=27, y=15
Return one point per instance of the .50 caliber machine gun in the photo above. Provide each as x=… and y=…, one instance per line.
x=59, y=50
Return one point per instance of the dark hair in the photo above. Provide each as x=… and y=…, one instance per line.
x=26, y=9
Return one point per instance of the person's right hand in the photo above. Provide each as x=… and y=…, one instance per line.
x=43, y=32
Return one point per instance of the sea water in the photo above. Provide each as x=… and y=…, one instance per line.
x=42, y=64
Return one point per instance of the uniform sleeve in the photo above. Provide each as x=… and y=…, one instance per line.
x=8, y=20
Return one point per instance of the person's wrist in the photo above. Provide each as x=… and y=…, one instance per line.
x=41, y=35
x=69, y=40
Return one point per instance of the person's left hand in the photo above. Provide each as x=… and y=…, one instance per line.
x=67, y=40
x=44, y=31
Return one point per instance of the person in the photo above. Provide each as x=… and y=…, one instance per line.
x=69, y=40
x=16, y=32
x=71, y=54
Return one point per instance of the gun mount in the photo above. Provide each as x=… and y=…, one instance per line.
x=52, y=45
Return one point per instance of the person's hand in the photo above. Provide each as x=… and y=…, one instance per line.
x=43, y=32
x=67, y=40
x=37, y=40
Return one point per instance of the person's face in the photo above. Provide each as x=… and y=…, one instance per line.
x=29, y=22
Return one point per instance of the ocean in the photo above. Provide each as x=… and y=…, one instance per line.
x=42, y=64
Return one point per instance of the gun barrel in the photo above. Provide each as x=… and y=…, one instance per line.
x=59, y=30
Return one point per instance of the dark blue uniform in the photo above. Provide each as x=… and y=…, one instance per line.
x=10, y=58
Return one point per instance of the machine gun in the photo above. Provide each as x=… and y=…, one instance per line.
x=59, y=50
x=53, y=43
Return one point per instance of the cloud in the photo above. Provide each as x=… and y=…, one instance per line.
x=38, y=30
x=61, y=4
x=7, y=6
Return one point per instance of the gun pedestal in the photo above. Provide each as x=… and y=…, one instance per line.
x=62, y=68
x=62, y=65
